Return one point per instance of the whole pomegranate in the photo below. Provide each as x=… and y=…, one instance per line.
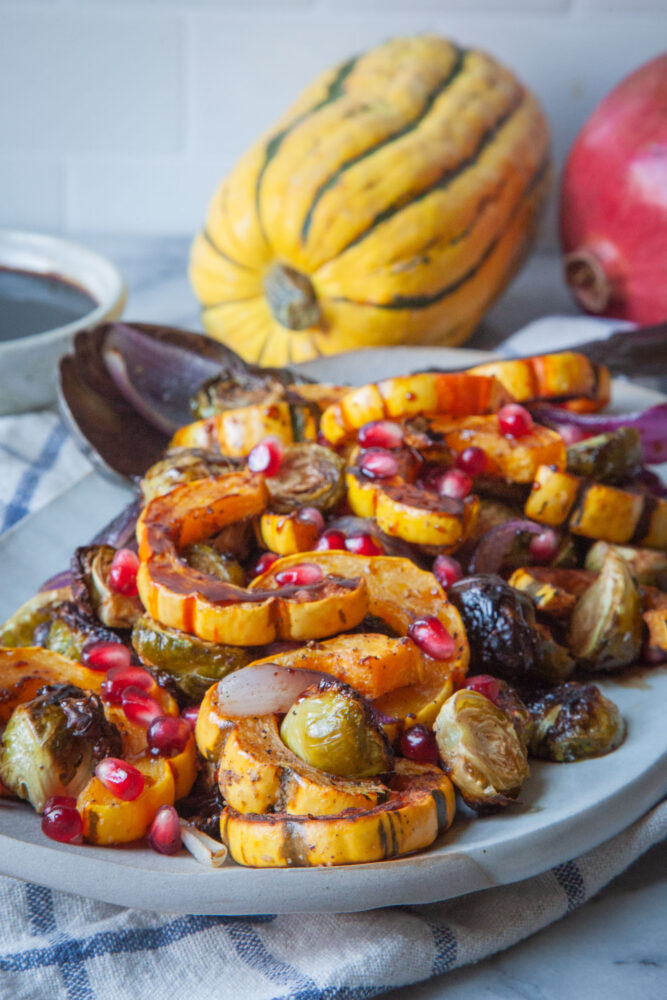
x=613, y=209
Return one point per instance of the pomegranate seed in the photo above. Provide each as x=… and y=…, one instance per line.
x=105, y=656
x=447, y=570
x=300, y=575
x=330, y=540
x=119, y=678
x=164, y=835
x=190, y=715
x=266, y=456
x=63, y=823
x=168, y=734
x=265, y=562
x=311, y=515
x=122, y=779
x=571, y=434
x=485, y=684
x=139, y=707
x=363, y=545
x=472, y=460
x=66, y=801
x=454, y=483
x=381, y=434
x=378, y=464
x=123, y=572
x=514, y=420
x=432, y=637
x=418, y=743
x=543, y=547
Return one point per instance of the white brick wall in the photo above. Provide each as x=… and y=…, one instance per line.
x=121, y=115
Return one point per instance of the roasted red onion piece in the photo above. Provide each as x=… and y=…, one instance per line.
x=497, y=543
x=63, y=579
x=651, y=425
x=263, y=689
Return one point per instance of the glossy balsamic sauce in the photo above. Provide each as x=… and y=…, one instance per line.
x=32, y=303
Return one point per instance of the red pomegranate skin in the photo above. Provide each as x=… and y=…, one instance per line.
x=614, y=196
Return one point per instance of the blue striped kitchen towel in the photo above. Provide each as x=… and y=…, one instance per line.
x=63, y=947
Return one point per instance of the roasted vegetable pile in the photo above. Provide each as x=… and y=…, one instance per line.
x=343, y=608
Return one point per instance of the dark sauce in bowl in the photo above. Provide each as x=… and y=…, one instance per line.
x=33, y=303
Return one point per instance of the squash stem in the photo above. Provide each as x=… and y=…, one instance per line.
x=291, y=297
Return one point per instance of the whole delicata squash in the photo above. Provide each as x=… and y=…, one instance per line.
x=392, y=203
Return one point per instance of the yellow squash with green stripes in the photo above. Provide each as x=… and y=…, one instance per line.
x=392, y=203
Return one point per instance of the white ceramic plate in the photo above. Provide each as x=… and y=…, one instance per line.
x=565, y=809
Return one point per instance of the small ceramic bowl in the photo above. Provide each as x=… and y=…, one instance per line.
x=28, y=365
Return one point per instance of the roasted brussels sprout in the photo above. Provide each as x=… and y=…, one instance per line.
x=480, y=750
x=332, y=727
x=19, y=630
x=52, y=744
x=193, y=663
x=556, y=661
x=207, y=559
x=607, y=458
x=500, y=626
x=234, y=389
x=183, y=465
x=513, y=706
x=91, y=566
x=309, y=476
x=574, y=721
x=648, y=566
x=69, y=629
x=606, y=625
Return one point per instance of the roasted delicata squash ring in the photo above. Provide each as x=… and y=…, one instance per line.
x=559, y=377
x=398, y=593
x=25, y=669
x=455, y=393
x=420, y=805
x=418, y=516
x=236, y=432
x=257, y=773
x=287, y=533
x=371, y=663
x=514, y=459
x=181, y=597
x=110, y=820
x=596, y=510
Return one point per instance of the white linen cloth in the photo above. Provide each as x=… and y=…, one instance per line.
x=57, y=945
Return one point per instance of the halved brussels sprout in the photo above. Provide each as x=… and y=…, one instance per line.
x=607, y=458
x=183, y=465
x=235, y=389
x=480, y=750
x=606, y=625
x=91, y=566
x=573, y=721
x=513, y=706
x=19, y=630
x=309, y=476
x=52, y=744
x=193, y=663
x=332, y=727
x=69, y=630
x=207, y=559
x=648, y=566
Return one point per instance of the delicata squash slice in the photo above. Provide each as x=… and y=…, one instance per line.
x=180, y=597
x=420, y=804
x=455, y=393
x=560, y=377
x=399, y=593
